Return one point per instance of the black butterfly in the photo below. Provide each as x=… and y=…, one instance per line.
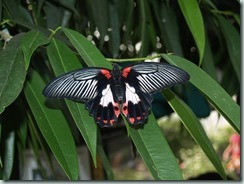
x=107, y=93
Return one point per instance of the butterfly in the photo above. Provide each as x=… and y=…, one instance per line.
x=109, y=93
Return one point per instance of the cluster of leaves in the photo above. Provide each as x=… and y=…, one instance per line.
x=191, y=29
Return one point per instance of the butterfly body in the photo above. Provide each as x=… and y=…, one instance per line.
x=109, y=93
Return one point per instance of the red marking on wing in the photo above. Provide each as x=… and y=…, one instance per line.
x=112, y=121
x=139, y=117
x=125, y=109
x=116, y=109
x=106, y=73
x=132, y=120
x=126, y=71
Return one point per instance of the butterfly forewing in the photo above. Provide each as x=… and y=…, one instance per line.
x=153, y=77
x=80, y=85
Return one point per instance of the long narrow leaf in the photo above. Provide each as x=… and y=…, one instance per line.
x=193, y=17
x=53, y=127
x=232, y=38
x=195, y=128
x=105, y=161
x=216, y=95
x=8, y=154
x=89, y=53
x=155, y=151
x=63, y=60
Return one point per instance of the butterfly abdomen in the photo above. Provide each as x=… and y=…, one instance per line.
x=119, y=92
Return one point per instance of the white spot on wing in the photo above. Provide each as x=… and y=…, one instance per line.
x=107, y=96
x=130, y=94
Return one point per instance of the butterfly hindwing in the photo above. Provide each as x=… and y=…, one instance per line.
x=136, y=105
x=104, y=108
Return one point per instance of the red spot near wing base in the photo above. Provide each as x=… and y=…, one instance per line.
x=126, y=71
x=106, y=73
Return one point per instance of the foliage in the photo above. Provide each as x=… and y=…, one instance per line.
x=203, y=35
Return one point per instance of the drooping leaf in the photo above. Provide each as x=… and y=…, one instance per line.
x=100, y=16
x=33, y=142
x=114, y=33
x=214, y=93
x=63, y=60
x=53, y=127
x=193, y=17
x=12, y=72
x=193, y=125
x=8, y=155
x=232, y=38
x=155, y=151
x=89, y=53
x=30, y=42
x=105, y=161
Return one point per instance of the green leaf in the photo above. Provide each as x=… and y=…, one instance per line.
x=16, y=11
x=63, y=60
x=114, y=34
x=169, y=27
x=155, y=151
x=147, y=31
x=30, y=42
x=1, y=164
x=53, y=127
x=70, y=4
x=193, y=125
x=33, y=142
x=232, y=38
x=8, y=154
x=214, y=93
x=100, y=15
x=208, y=61
x=12, y=72
x=105, y=161
x=89, y=53
x=193, y=17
